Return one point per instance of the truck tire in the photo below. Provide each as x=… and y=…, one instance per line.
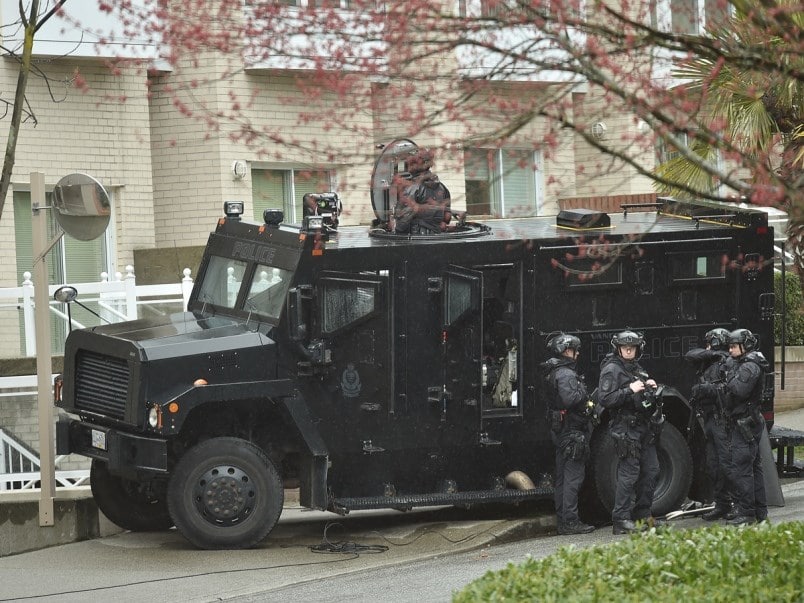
x=675, y=471
x=135, y=506
x=225, y=493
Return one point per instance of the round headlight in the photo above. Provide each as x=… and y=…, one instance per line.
x=153, y=416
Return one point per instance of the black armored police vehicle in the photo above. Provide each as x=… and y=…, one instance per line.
x=377, y=370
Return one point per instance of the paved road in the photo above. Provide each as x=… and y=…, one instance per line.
x=437, y=578
x=164, y=567
x=429, y=554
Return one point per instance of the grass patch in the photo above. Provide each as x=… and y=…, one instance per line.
x=713, y=564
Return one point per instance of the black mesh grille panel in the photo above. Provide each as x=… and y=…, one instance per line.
x=101, y=384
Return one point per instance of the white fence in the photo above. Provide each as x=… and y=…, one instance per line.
x=19, y=468
x=114, y=301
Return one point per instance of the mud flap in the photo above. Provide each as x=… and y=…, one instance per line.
x=773, y=488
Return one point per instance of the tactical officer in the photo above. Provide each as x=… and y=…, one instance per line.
x=711, y=364
x=742, y=393
x=570, y=423
x=636, y=419
x=424, y=202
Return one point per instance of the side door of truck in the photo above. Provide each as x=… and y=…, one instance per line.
x=461, y=344
x=352, y=321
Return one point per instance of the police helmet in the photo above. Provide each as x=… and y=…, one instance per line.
x=562, y=342
x=628, y=338
x=745, y=338
x=717, y=339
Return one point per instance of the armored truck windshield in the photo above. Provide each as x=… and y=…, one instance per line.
x=247, y=271
x=264, y=287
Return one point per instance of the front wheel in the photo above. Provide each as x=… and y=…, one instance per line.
x=225, y=493
x=675, y=471
x=135, y=506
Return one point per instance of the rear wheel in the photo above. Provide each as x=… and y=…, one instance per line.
x=672, y=484
x=225, y=493
x=135, y=506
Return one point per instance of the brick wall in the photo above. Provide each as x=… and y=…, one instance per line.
x=607, y=203
x=103, y=131
x=792, y=397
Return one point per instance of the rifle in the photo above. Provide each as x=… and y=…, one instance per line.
x=695, y=414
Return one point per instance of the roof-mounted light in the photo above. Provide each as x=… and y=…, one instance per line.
x=233, y=209
x=274, y=217
x=313, y=223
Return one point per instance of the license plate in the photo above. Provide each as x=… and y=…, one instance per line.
x=99, y=439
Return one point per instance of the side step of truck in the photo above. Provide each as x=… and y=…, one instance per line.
x=342, y=506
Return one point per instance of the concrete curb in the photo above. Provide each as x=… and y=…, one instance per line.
x=76, y=518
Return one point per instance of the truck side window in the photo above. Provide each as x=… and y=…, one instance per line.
x=222, y=280
x=697, y=266
x=346, y=302
x=461, y=296
x=585, y=272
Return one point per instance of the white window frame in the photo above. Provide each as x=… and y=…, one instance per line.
x=497, y=181
x=289, y=182
x=663, y=17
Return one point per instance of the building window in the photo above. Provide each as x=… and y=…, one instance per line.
x=316, y=3
x=684, y=17
x=689, y=17
x=502, y=182
x=70, y=261
x=284, y=189
x=492, y=8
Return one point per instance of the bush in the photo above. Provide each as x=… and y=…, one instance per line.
x=761, y=563
x=794, y=309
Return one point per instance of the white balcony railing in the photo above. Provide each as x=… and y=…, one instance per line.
x=112, y=300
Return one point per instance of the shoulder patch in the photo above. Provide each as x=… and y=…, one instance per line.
x=606, y=384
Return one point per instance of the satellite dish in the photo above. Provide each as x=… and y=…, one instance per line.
x=82, y=206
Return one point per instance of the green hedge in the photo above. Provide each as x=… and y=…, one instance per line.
x=795, y=309
x=713, y=564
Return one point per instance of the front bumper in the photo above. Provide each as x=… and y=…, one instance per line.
x=125, y=453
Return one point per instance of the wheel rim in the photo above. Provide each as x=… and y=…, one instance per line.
x=224, y=495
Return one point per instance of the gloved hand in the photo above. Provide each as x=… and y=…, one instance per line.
x=704, y=390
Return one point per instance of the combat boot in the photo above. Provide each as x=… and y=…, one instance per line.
x=742, y=520
x=625, y=526
x=716, y=513
x=574, y=527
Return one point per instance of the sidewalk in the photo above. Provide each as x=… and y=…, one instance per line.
x=791, y=419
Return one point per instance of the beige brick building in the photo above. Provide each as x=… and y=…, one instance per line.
x=168, y=172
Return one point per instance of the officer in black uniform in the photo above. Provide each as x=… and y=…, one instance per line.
x=571, y=425
x=629, y=394
x=742, y=393
x=424, y=201
x=711, y=364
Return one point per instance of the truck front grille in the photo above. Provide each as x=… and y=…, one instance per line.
x=101, y=384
